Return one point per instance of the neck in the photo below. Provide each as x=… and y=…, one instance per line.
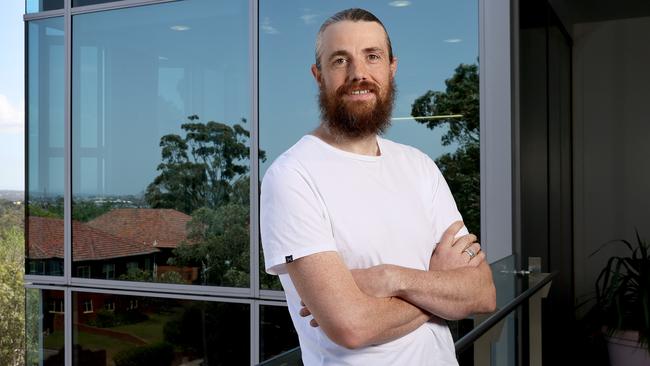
x=366, y=145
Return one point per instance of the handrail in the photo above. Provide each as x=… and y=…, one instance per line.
x=495, y=317
x=468, y=339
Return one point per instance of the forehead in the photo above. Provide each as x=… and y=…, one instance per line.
x=350, y=36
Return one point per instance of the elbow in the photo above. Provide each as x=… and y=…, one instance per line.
x=352, y=341
x=350, y=334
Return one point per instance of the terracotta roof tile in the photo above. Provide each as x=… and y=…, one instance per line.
x=46, y=241
x=158, y=228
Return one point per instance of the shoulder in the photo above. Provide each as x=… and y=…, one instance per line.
x=289, y=168
x=410, y=155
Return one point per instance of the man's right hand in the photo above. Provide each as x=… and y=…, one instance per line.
x=451, y=252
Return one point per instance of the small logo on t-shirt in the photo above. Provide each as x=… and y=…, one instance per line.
x=288, y=258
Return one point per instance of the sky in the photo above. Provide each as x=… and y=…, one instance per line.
x=12, y=159
x=429, y=38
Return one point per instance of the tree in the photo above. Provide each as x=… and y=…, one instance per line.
x=217, y=243
x=12, y=297
x=200, y=169
x=461, y=168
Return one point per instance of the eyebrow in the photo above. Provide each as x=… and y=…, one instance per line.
x=365, y=51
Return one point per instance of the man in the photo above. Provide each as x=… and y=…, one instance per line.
x=350, y=221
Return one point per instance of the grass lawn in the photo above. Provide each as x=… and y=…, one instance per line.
x=96, y=342
x=151, y=330
x=54, y=341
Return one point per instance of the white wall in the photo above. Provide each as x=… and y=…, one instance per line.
x=611, y=78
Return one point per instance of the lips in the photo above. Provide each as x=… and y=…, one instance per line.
x=358, y=89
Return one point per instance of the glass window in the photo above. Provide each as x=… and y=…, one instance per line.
x=159, y=331
x=277, y=334
x=44, y=323
x=34, y=6
x=90, y=2
x=436, y=44
x=109, y=271
x=45, y=89
x=83, y=271
x=161, y=142
x=109, y=305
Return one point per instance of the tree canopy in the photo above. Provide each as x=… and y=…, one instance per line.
x=461, y=168
x=201, y=168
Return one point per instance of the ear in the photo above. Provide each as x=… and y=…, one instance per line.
x=316, y=73
x=393, y=66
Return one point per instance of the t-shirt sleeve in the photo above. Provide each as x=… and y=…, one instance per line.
x=444, y=206
x=293, y=221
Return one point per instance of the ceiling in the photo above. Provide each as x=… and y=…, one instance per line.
x=584, y=11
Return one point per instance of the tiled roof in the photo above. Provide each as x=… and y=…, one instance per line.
x=158, y=228
x=46, y=241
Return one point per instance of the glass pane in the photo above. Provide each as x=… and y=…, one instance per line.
x=34, y=6
x=436, y=44
x=132, y=330
x=90, y=2
x=45, y=130
x=277, y=334
x=161, y=143
x=44, y=323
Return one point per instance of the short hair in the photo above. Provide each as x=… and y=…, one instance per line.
x=354, y=15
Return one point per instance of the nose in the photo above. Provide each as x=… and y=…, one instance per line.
x=357, y=71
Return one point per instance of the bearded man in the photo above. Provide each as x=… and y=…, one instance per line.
x=364, y=232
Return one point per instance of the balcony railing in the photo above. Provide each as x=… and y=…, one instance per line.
x=490, y=339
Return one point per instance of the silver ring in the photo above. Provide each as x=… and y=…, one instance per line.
x=470, y=253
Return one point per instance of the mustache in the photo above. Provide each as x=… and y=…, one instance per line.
x=348, y=87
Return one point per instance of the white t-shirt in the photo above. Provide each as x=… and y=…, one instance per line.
x=387, y=209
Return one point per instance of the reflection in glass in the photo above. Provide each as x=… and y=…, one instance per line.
x=161, y=144
x=90, y=2
x=277, y=334
x=45, y=130
x=44, y=323
x=131, y=330
x=34, y=6
x=437, y=75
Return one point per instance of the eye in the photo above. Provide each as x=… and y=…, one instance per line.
x=339, y=62
x=373, y=57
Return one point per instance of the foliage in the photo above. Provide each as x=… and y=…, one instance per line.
x=216, y=332
x=623, y=291
x=137, y=274
x=11, y=215
x=12, y=297
x=461, y=168
x=109, y=319
x=217, y=243
x=83, y=210
x=200, y=169
x=156, y=354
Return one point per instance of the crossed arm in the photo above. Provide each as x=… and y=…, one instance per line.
x=376, y=305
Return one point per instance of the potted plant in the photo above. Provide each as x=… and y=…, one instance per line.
x=622, y=305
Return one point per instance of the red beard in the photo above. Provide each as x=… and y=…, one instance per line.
x=357, y=119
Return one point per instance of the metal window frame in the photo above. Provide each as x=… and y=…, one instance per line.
x=492, y=110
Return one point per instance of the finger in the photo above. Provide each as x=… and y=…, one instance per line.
x=476, y=247
x=480, y=258
x=448, y=236
x=465, y=241
x=313, y=323
x=304, y=312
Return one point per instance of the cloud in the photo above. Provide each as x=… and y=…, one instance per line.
x=267, y=27
x=453, y=40
x=308, y=17
x=399, y=3
x=12, y=117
